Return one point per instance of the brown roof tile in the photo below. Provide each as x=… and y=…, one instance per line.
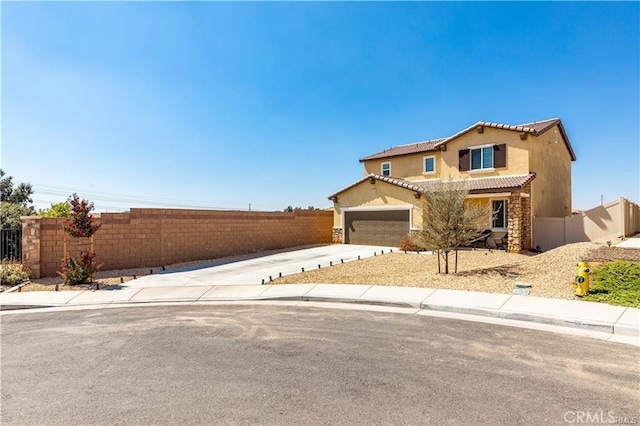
x=423, y=187
x=412, y=148
x=536, y=128
x=481, y=184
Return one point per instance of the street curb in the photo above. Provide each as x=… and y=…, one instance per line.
x=517, y=316
x=626, y=330
x=613, y=329
x=541, y=319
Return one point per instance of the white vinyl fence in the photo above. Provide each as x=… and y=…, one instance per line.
x=620, y=218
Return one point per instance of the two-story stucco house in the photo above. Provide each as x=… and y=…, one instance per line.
x=521, y=171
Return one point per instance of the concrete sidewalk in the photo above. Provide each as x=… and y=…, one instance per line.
x=632, y=242
x=565, y=313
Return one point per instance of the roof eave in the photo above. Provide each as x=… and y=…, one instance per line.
x=563, y=133
x=494, y=190
x=460, y=133
x=362, y=160
x=566, y=140
x=418, y=189
x=401, y=183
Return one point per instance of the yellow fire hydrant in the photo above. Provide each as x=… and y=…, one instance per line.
x=582, y=279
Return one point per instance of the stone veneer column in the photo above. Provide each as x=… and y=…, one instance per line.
x=337, y=235
x=514, y=222
x=526, y=223
x=31, y=245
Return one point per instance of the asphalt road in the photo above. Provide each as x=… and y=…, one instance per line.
x=285, y=365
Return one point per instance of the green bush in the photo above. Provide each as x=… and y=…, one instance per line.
x=62, y=209
x=617, y=283
x=79, y=271
x=13, y=273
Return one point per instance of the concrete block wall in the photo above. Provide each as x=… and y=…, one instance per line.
x=154, y=237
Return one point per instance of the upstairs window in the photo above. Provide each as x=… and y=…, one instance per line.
x=499, y=214
x=482, y=158
x=485, y=157
x=385, y=169
x=429, y=164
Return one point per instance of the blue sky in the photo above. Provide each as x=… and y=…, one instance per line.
x=226, y=104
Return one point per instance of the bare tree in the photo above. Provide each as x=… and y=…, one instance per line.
x=451, y=221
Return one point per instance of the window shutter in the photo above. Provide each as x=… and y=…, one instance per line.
x=463, y=160
x=500, y=155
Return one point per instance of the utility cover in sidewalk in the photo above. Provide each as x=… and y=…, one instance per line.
x=522, y=288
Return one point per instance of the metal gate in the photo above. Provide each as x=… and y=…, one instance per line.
x=11, y=244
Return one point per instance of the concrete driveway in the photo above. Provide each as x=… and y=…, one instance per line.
x=253, y=271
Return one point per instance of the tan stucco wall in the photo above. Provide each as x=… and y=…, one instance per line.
x=517, y=153
x=382, y=195
x=551, y=161
x=483, y=203
x=409, y=167
x=551, y=189
x=391, y=195
x=378, y=194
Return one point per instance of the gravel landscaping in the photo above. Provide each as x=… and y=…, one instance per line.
x=551, y=274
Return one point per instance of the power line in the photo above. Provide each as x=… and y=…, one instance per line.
x=101, y=196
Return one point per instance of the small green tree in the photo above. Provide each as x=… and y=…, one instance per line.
x=80, y=224
x=10, y=215
x=61, y=209
x=20, y=195
x=450, y=221
x=14, y=201
x=290, y=209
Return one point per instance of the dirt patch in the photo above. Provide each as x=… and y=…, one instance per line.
x=551, y=274
x=608, y=254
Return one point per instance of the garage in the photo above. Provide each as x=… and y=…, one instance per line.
x=379, y=227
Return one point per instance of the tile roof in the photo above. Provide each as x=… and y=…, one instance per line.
x=535, y=128
x=480, y=184
x=426, y=186
x=412, y=148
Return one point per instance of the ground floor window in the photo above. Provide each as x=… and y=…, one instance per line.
x=499, y=219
